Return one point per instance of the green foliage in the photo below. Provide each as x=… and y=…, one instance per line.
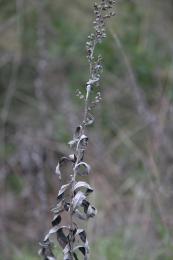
x=61, y=133
x=7, y=9
x=145, y=49
x=29, y=21
x=25, y=256
x=30, y=254
x=108, y=248
x=14, y=183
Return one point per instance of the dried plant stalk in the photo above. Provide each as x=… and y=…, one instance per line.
x=73, y=197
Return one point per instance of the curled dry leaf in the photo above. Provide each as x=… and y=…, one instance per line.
x=58, y=208
x=67, y=253
x=53, y=230
x=51, y=258
x=63, y=238
x=61, y=162
x=56, y=220
x=72, y=157
x=80, y=215
x=57, y=170
x=84, y=250
x=82, y=143
x=78, y=199
x=78, y=132
x=88, y=211
x=46, y=250
x=82, y=169
x=83, y=184
x=76, y=137
x=62, y=190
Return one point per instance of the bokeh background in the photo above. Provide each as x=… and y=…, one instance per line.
x=42, y=64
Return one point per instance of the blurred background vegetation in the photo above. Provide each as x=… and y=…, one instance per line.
x=42, y=64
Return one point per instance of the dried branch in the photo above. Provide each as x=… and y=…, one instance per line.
x=73, y=197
